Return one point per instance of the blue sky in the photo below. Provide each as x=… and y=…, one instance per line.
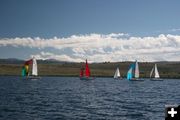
x=122, y=20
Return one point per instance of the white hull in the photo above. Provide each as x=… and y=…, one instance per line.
x=156, y=79
x=32, y=78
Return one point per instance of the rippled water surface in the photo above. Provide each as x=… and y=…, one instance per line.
x=70, y=98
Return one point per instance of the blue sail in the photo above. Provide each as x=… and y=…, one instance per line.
x=129, y=74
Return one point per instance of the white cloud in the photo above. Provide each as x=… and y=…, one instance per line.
x=47, y=55
x=99, y=48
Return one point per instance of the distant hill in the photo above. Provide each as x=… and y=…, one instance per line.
x=104, y=69
x=54, y=61
x=11, y=61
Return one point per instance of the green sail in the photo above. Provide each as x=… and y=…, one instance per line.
x=23, y=73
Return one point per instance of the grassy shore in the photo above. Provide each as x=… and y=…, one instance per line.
x=166, y=69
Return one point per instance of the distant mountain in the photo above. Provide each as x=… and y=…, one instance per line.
x=11, y=61
x=51, y=61
x=19, y=61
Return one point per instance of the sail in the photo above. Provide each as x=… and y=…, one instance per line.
x=151, y=72
x=129, y=74
x=156, y=72
x=23, y=73
x=34, y=67
x=26, y=67
x=136, y=70
x=87, y=71
x=28, y=62
x=117, y=73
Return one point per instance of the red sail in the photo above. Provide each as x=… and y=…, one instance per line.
x=82, y=71
x=87, y=71
x=28, y=62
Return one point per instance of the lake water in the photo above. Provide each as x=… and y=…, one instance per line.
x=69, y=98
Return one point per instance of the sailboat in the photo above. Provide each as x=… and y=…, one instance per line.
x=26, y=72
x=133, y=72
x=85, y=73
x=117, y=74
x=154, y=74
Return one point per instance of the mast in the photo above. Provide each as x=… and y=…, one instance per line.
x=34, y=67
x=136, y=70
x=156, y=72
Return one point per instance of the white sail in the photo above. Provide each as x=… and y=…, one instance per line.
x=156, y=71
x=34, y=67
x=151, y=72
x=117, y=73
x=136, y=70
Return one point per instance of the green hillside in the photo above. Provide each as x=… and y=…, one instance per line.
x=166, y=69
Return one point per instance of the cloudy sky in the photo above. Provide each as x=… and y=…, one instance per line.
x=99, y=30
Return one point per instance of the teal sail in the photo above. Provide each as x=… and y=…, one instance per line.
x=133, y=68
x=129, y=74
x=23, y=73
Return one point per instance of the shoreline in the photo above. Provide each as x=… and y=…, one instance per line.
x=167, y=70
x=178, y=78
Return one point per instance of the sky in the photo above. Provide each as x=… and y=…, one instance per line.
x=97, y=30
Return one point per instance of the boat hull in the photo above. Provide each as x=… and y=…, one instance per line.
x=86, y=78
x=32, y=78
x=156, y=79
x=136, y=80
x=118, y=78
